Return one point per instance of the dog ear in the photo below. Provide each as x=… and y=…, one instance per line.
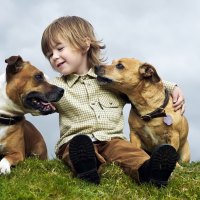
x=14, y=65
x=147, y=71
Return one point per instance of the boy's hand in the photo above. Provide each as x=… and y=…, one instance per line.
x=178, y=99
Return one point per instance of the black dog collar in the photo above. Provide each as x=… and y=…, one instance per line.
x=159, y=112
x=8, y=120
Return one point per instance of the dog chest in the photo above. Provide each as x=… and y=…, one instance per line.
x=3, y=133
x=153, y=137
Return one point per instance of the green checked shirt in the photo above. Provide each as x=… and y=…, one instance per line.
x=89, y=108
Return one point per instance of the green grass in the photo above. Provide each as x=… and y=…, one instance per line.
x=34, y=179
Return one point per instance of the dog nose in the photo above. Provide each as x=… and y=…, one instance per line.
x=55, y=94
x=60, y=92
x=98, y=70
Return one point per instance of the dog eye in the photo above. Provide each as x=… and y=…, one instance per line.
x=39, y=77
x=119, y=66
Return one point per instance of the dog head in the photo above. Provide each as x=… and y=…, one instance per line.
x=27, y=87
x=126, y=73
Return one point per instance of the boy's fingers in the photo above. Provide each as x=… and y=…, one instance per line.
x=183, y=109
x=174, y=98
x=177, y=107
x=179, y=101
x=180, y=106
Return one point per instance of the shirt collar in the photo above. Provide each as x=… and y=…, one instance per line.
x=73, y=78
x=91, y=73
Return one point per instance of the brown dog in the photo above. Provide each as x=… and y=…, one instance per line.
x=23, y=89
x=152, y=118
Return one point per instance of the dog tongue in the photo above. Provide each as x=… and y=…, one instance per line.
x=48, y=105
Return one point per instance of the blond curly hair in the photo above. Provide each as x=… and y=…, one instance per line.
x=76, y=31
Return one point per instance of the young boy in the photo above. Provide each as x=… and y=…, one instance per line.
x=91, y=116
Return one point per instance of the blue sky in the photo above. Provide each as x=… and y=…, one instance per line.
x=163, y=33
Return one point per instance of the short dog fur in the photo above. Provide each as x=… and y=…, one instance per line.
x=23, y=89
x=150, y=123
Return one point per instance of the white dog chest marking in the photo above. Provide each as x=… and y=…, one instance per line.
x=3, y=131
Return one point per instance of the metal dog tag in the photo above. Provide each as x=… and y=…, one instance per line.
x=168, y=120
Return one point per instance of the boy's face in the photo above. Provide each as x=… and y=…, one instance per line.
x=66, y=60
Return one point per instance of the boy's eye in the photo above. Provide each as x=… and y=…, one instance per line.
x=119, y=66
x=60, y=48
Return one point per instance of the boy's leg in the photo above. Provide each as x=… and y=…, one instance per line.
x=124, y=154
x=159, y=167
x=83, y=159
x=98, y=162
x=137, y=164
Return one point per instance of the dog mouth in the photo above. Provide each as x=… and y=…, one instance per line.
x=103, y=80
x=38, y=101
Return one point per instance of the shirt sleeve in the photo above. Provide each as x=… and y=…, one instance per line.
x=169, y=85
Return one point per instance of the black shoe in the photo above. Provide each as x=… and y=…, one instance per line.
x=82, y=156
x=159, y=167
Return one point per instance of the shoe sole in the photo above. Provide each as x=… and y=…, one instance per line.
x=163, y=162
x=81, y=152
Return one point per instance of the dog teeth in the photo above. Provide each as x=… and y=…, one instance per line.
x=48, y=106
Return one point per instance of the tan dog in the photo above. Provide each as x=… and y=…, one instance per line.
x=152, y=119
x=23, y=89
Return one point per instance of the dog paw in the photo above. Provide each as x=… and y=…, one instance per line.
x=4, y=166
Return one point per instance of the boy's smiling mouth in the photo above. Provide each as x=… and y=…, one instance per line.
x=59, y=64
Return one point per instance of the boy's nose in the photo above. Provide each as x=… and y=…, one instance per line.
x=55, y=56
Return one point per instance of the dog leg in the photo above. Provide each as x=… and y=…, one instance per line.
x=184, y=153
x=4, y=166
x=134, y=139
x=34, y=142
x=40, y=150
x=183, y=149
x=10, y=160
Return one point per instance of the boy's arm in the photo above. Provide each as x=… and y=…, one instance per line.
x=170, y=86
x=176, y=93
x=177, y=96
